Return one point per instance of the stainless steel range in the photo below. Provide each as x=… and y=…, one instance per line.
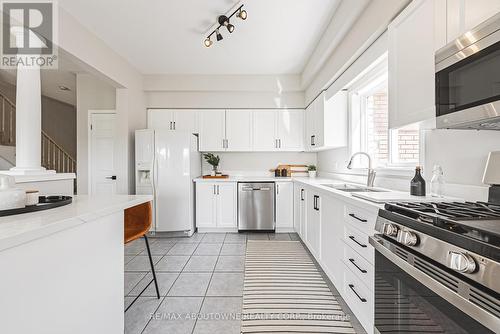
x=437, y=268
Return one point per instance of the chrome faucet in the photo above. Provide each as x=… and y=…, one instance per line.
x=371, y=172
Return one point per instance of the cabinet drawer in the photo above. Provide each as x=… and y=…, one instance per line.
x=359, y=242
x=363, y=220
x=360, y=267
x=360, y=299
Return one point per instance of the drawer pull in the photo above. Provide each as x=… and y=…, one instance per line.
x=363, y=300
x=354, y=263
x=356, y=241
x=360, y=219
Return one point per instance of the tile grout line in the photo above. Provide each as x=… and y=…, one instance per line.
x=173, y=283
x=210, y=281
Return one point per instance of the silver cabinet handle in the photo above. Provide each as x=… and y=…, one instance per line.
x=174, y=125
x=277, y=189
x=301, y=194
x=217, y=189
x=279, y=143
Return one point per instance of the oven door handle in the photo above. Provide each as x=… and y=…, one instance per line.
x=486, y=318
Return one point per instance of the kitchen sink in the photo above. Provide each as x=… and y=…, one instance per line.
x=352, y=188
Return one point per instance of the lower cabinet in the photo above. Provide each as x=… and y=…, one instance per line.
x=300, y=210
x=216, y=205
x=331, y=238
x=313, y=225
x=284, y=206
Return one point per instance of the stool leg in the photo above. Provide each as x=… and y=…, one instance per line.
x=152, y=267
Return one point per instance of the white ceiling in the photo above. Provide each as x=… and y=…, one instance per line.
x=166, y=37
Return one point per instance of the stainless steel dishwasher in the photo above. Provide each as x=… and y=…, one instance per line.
x=256, y=206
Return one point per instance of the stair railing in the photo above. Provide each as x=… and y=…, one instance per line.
x=7, y=121
x=54, y=157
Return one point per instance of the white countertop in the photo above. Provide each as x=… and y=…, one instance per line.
x=246, y=179
x=18, y=229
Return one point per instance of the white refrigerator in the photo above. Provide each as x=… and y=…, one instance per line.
x=166, y=162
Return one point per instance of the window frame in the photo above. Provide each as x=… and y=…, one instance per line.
x=358, y=91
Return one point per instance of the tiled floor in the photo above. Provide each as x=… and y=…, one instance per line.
x=200, y=280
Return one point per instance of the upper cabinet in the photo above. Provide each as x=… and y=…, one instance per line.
x=463, y=15
x=413, y=39
x=173, y=119
x=241, y=130
x=212, y=125
x=326, y=122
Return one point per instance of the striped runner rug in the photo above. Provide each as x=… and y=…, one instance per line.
x=285, y=293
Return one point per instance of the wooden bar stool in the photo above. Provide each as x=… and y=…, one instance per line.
x=138, y=220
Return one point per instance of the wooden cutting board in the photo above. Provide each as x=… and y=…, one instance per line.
x=223, y=176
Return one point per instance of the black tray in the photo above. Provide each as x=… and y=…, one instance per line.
x=45, y=203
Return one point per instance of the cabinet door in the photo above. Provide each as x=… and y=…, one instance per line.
x=239, y=130
x=185, y=120
x=264, y=130
x=319, y=121
x=411, y=65
x=332, y=222
x=309, y=128
x=290, y=130
x=284, y=206
x=212, y=130
x=335, y=115
x=313, y=228
x=160, y=119
x=205, y=204
x=226, y=204
x=296, y=208
x=464, y=15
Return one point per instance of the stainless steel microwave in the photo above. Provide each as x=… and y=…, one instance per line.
x=468, y=79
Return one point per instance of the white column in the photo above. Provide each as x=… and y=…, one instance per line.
x=28, y=116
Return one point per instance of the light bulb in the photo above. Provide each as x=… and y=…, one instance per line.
x=208, y=42
x=242, y=14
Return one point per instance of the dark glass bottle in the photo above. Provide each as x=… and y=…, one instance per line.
x=417, y=185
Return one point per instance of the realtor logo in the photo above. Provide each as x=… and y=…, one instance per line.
x=29, y=33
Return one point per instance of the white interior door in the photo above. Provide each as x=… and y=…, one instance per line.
x=239, y=130
x=264, y=130
x=102, y=154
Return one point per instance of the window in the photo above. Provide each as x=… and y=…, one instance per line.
x=369, y=124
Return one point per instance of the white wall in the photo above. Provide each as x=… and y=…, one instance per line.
x=258, y=163
x=91, y=94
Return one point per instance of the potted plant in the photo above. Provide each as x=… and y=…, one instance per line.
x=212, y=160
x=311, y=169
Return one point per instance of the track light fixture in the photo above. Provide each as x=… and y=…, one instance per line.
x=219, y=36
x=242, y=14
x=223, y=21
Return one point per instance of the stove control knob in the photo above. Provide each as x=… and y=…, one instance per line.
x=390, y=230
x=408, y=238
x=461, y=262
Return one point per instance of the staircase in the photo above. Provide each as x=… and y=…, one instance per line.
x=54, y=157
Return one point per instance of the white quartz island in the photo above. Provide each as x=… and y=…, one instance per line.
x=61, y=270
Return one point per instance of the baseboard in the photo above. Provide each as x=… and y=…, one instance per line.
x=217, y=230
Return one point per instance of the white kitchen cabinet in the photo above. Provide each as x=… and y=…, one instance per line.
x=239, y=130
x=226, y=202
x=284, y=206
x=173, y=119
x=278, y=130
x=300, y=210
x=326, y=122
x=412, y=46
x=290, y=130
x=313, y=225
x=332, y=223
x=216, y=205
x=212, y=126
x=206, y=205
x=464, y=15
x=264, y=130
